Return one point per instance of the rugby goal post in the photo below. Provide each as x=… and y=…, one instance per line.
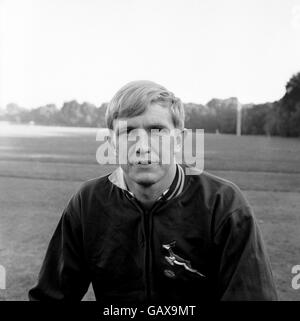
x=2, y=278
x=238, y=118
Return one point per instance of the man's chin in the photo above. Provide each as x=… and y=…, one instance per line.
x=145, y=179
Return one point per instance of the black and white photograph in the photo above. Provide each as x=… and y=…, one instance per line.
x=149, y=153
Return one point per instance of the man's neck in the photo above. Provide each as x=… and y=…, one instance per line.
x=149, y=194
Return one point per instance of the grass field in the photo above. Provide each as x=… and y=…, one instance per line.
x=40, y=168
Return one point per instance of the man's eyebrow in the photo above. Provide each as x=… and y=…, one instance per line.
x=159, y=126
x=151, y=126
x=125, y=127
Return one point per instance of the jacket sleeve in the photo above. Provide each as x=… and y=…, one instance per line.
x=63, y=275
x=244, y=271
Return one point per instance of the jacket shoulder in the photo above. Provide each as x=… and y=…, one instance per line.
x=221, y=197
x=89, y=193
x=94, y=184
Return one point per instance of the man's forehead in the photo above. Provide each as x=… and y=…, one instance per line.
x=140, y=123
x=146, y=120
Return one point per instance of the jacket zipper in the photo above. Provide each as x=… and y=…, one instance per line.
x=148, y=262
x=145, y=224
x=147, y=253
x=147, y=257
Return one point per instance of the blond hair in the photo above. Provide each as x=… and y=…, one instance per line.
x=135, y=97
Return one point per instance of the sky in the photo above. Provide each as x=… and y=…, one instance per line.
x=52, y=51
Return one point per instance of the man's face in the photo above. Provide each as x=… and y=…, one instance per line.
x=148, y=155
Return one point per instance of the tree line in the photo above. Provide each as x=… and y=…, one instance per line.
x=278, y=118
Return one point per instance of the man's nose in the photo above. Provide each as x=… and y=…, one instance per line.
x=143, y=146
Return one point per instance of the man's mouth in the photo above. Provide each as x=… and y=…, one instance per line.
x=144, y=162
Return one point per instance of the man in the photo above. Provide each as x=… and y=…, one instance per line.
x=148, y=232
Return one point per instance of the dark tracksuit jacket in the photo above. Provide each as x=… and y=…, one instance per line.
x=199, y=241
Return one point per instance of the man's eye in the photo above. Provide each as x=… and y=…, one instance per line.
x=127, y=131
x=160, y=131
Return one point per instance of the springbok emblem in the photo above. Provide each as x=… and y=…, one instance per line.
x=177, y=260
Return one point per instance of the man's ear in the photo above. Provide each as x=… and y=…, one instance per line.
x=109, y=137
x=179, y=139
x=112, y=140
x=184, y=133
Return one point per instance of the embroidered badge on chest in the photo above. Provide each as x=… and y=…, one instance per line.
x=174, y=259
